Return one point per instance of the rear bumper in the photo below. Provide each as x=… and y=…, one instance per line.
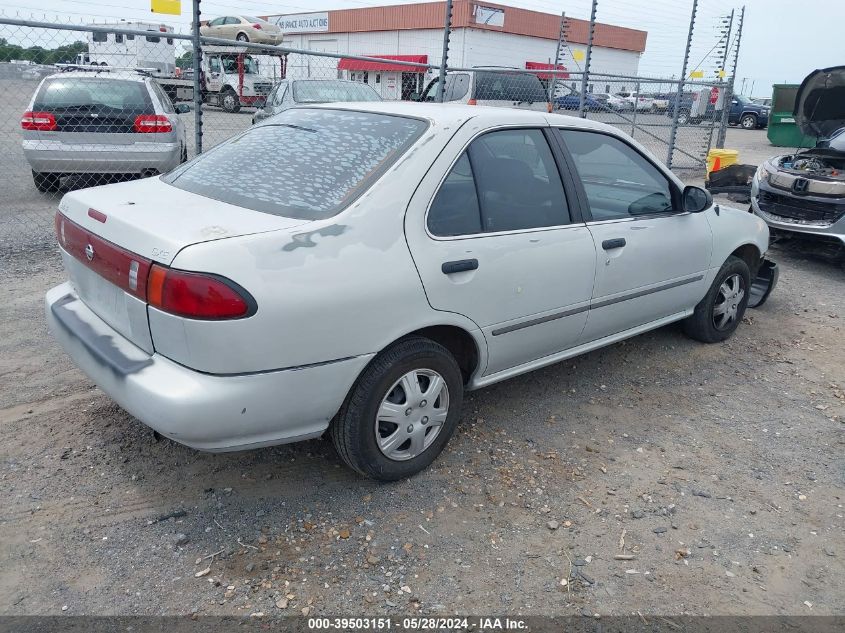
x=45, y=156
x=206, y=412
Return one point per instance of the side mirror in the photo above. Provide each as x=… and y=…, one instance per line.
x=696, y=199
x=415, y=96
x=182, y=108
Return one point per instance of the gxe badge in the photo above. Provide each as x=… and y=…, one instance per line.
x=89, y=252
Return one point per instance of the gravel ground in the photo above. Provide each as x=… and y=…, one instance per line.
x=716, y=472
x=659, y=475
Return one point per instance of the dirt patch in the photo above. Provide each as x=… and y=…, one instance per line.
x=657, y=475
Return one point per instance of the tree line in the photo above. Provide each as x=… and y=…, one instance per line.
x=39, y=55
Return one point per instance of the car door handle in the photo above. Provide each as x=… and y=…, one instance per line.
x=458, y=266
x=618, y=242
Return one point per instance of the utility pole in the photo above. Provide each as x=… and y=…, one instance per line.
x=585, y=75
x=729, y=90
x=447, y=29
x=561, y=42
x=197, y=74
x=676, y=110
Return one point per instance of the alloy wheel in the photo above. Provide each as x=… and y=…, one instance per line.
x=411, y=414
x=728, y=299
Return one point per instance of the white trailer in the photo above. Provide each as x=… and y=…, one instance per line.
x=155, y=51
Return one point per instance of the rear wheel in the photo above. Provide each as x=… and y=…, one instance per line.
x=46, y=183
x=243, y=37
x=229, y=100
x=401, y=411
x=717, y=316
x=748, y=121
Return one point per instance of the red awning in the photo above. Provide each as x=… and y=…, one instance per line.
x=357, y=64
x=544, y=66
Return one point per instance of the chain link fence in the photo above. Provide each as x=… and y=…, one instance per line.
x=87, y=104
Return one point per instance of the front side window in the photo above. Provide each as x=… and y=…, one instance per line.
x=457, y=87
x=100, y=37
x=505, y=181
x=337, y=155
x=618, y=180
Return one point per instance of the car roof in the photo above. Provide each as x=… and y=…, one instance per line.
x=123, y=75
x=449, y=114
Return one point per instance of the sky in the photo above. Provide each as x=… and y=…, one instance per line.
x=782, y=40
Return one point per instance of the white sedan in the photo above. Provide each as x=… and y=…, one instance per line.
x=409, y=253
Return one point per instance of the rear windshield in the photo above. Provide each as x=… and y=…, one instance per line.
x=319, y=91
x=508, y=87
x=75, y=93
x=306, y=164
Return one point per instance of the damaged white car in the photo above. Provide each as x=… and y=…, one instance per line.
x=803, y=194
x=410, y=253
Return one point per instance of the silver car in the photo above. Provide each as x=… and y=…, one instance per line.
x=411, y=252
x=243, y=28
x=293, y=92
x=101, y=122
x=802, y=195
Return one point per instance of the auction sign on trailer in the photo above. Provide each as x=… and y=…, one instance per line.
x=303, y=22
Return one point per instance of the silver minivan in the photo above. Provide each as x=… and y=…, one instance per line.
x=101, y=122
x=491, y=87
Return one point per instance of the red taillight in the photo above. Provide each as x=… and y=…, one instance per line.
x=197, y=295
x=256, y=26
x=38, y=121
x=124, y=269
x=145, y=123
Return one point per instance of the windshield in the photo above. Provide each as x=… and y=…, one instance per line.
x=497, y=86
x=325, y=91
x=304, y=163
x=74, y=93
x=230, y=64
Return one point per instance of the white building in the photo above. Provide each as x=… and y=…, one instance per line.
x=483, y=34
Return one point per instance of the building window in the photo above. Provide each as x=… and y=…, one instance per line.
x=378, y=78
x=118, y=38
x=607, y=88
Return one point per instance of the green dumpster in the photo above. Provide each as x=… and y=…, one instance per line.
x=782, y=130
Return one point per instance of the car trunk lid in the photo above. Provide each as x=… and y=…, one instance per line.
x=111, y=236
x=820, y=102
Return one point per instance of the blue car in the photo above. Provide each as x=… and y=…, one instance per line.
x=572, y=101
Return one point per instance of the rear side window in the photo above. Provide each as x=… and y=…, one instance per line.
x=505, y=181
x=457, y=87
x=493, y=86
x=308, y=164
x=83, y=94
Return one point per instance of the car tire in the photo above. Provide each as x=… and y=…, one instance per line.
x=46, y=183
x=719, y=313
x=229, y=100
x=381, y=449
x=242, y=37
x=683, y=117
x=748, y=122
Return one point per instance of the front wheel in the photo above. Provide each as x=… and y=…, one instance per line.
x=401, y=411
x=748, y=122
x=717, y=316
x=229, y=101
